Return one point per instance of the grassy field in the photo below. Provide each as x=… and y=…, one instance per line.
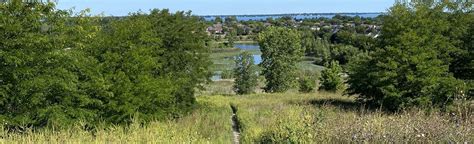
x=210, y=123
x=276, y=118
x=326, y=117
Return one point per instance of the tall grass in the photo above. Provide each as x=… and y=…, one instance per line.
x=326, y=117
x=209, y=124
x=276, y=118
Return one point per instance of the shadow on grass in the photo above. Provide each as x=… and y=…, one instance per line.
x=346, y=105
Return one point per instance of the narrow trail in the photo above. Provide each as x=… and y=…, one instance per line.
x=235, y=125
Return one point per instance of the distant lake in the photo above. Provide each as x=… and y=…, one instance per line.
x=247, y=46
x=295, y=16
x=243, y=46
x=250, y=46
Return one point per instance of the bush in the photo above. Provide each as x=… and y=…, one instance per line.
x=331, y=79
x=307, y=81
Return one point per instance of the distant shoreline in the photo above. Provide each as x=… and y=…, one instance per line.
x=292, y=14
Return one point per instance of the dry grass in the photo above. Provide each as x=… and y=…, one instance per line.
x=210, y=124
x=326, y=117
x=277, y=118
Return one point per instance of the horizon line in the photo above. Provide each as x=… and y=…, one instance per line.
x=275, y=14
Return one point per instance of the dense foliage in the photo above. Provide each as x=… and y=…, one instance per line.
x=42, y=80
x=307, y=81
x=411, y=65
x=331, y=79
x=281, y=50
x=245, y=74
x=58, y=68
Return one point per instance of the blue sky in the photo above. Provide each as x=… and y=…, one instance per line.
x=228, y=7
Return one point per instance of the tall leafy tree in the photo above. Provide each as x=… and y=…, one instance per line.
x=308, y=42
x=410, y=67
x=58, y=68
x=153, y=64
x=281, y=50
x=185, y=56
x=43, y=78
x=245, y=74
x=231, y=36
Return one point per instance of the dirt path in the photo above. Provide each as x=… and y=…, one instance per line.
x=235, y=125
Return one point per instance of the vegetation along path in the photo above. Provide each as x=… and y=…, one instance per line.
x=235, y=125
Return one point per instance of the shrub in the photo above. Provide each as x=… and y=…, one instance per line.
x=307, y=81
x=331, y=79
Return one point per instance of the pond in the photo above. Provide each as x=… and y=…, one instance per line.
x=246, y=47
x=250, y=47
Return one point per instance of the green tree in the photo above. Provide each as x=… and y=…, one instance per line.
x=58, y=68
x=245, y=74
x=322, y=51
x=342, y=53
x=331, y=79
x=410, y=67
x=308, y=42
x=185, y=56
x=230, y=20
x=218, y=19
x=281, y=50
x=342, y=37
x=43, y=74
x=153, y=64
x=231, y=36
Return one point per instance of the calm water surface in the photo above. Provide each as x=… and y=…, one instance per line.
x=244, y=46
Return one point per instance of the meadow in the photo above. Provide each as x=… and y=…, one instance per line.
x=275, y=118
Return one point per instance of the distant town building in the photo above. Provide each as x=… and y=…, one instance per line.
x=215, y=29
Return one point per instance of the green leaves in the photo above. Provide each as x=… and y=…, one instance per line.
x=57, y=68
x=331, y=79
x=245, y=74
x=281, y=50
x=41, y=77
x=410, y=65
